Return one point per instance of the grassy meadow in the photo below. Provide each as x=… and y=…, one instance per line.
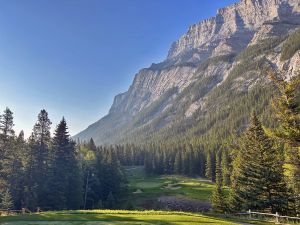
x=92, y=217
x=144, y=190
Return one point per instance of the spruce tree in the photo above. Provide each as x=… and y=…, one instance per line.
x=185, y=160
x=17, y=175
x=91, y=145
x=112, y=178
x=41, y=148
x=64, y=184
x=6, y=153
x=6, y=200
x=208, y=167
x=148, y=163
x=287, y=112
x=110, y=201
x=191, y=162
x=30, y=200
x=6, y=126
x=177, y=163
x=218, y=198
x=225, y=168
x=258, y=173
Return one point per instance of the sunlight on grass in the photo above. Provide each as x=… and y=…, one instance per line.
x=112, y=217
x=147, y=189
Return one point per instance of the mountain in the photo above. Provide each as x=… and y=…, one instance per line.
x=212, y=78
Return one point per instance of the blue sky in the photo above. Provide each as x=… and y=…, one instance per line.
x=72, y=57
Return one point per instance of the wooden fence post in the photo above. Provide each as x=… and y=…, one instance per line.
x=249, y=211
x=277, y=218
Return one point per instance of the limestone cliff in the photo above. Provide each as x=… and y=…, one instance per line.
x=202, y=60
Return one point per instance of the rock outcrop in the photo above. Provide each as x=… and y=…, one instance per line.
x=206, y=53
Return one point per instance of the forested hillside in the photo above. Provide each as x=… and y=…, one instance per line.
x=212, y=79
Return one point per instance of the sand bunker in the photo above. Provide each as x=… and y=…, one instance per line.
x=138, y=191
x=172, y=186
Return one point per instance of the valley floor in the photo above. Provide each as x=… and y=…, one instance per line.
x=159, y=192
x=167, y=192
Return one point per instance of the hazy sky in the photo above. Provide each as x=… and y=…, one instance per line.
x=72, y=57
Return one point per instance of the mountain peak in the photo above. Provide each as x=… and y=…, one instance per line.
x=244, y=16
x=198, y=63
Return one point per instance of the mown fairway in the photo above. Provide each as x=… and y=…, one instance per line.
x=145, y=190
x=92, y=217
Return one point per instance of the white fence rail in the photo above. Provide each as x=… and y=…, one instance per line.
x=278, y=218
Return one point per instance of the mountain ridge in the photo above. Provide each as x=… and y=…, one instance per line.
x=205, y=55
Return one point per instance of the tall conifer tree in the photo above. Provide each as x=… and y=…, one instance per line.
x=218, y=198
x=6, y=155
x=64, y=184
x=287, y=111
x=41, y=148
x=258, y=174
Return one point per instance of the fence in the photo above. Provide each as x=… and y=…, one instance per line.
x=277, y=218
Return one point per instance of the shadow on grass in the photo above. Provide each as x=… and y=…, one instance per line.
x=69, y=218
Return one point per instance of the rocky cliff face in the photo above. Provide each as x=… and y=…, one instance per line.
x=201, y=60
x=233, y=27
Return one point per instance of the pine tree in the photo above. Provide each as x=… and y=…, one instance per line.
x=218, y=198
x=92, y=145
x=110, y=201
x=17, y=175
x=6, y=136
x=177, y=163
x=41, y=148
x=6, y=200
x=6, y=126
x=6, y=153
x=112, y=178
x=208, y=167
x=148, y=163
x=258, y=175
x=287, y=112
x=225, y=168
x=64, y=185
x=191, y=162
x=166, y=163
x=185, y=161
x=30, y=200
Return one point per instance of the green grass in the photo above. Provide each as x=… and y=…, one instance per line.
x=145, y=190
x=149, y=189
x=146, y=184
x=92, y=217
